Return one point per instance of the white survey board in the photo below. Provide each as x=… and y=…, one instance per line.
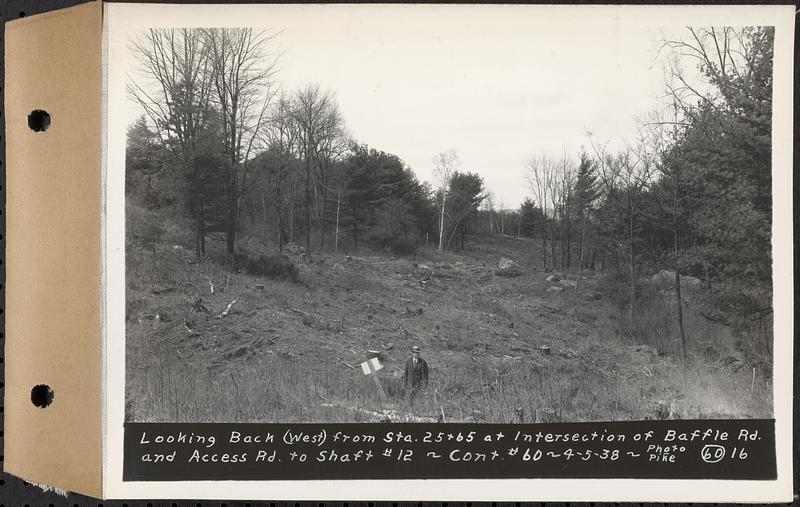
x=371, y=365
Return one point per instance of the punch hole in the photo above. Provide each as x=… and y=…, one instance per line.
x=42, y=395
x=39, y=120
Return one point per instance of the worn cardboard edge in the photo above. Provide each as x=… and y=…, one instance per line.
x=53, y=260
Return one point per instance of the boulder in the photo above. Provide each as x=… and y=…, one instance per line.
x=505, y=263
x=666, y=278
x=690, y=281
x=507, y=267
x=294, y=249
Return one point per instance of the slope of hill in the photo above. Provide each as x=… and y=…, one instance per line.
x=208, y=345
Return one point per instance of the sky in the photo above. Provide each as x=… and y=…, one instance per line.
x=494, y=83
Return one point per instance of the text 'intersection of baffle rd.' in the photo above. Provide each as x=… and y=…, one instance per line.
x=647, y=449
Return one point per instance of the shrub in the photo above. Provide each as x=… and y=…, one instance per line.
x=143, y=226
x=395, y=229
x=272, y=266
x=402, y=244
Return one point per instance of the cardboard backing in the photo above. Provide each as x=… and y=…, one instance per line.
x=53, y=298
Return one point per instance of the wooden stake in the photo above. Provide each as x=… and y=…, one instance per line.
x=373, y=374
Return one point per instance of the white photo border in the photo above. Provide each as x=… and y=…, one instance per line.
x=121, y=19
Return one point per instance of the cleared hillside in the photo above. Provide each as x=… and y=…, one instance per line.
x=500, y=348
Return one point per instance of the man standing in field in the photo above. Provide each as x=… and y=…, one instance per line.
x=415, y=376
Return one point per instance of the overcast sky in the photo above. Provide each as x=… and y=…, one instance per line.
x=493, y=83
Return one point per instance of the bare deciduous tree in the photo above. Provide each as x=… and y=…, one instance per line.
x=444, y=164
x=562, y=201
x=320, y=133
x=175, y=95
x=333, y=144
x=243, y=69
x=624, y=178
x=540, y=173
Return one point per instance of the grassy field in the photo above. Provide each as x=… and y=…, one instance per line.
x=500, y=349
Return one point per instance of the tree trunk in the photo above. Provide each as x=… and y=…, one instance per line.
x=562, y=239
x=233, y=187
x=336, y=238
x=308, y=205
x=200, y=218
x=324, y=209
x=544, y=241
x=454, y=232
x=569, y=241
x=677, y=268
x=264, y=216
x=680, y=310
x=441, y=222
x=280, y=217
x=580, y=259
x=675, y=238
x=291, y=214
x=233, y=201
x=200, y=232
x=632, y=294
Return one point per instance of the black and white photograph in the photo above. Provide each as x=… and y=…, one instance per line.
x=444, y=216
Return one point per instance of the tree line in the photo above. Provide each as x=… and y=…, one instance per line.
x=222, y=143
x=692, y=194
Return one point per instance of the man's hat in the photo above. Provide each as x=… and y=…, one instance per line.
x=415, y=348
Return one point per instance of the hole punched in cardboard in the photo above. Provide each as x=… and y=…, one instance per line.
x=39, y=120
x=42, y=395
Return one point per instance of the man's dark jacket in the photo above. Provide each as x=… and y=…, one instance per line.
x=416, y=375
